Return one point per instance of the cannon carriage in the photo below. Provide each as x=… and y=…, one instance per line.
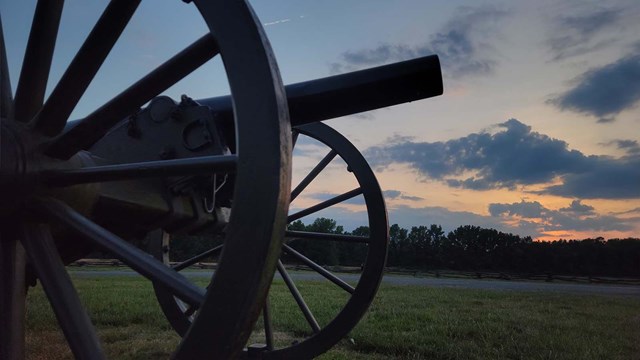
x=145, y=163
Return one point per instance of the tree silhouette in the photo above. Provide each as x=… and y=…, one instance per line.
x=468, y=247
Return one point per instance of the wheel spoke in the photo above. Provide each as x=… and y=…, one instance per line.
x=12, y=297
x=37, y=59
x=72, y=317
x=312, y=175
x=268, y=326
x=324, y=236
x=135, y=258
x=6, y=99
x=319, y=269
x=84, y=66
x=91, y=129
x=197, y=258
x=178, y=167
x=325, y=204
x=190, y=311
x=298, y=297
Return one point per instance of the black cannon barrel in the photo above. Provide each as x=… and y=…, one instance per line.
x=350, y=93
x=354, y=92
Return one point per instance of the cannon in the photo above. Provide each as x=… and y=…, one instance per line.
x=144, y=163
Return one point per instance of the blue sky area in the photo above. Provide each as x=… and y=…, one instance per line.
x=537, y=133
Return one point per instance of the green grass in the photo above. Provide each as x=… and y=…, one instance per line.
x=405, y=322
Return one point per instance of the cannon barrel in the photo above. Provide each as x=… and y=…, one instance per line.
x=354, y=92
x=349, y=93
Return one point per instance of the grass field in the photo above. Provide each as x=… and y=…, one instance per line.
x=403, y=323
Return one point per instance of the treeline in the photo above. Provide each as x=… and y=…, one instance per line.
x=467, y=248
x=473, y=248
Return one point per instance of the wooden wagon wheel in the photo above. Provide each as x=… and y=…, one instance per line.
x=320, y=336
x=38, y=155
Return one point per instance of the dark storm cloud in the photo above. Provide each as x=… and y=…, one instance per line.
x=606, y=91
x=579, y=34
x=461, y=44
x=575, y=217
x=515, y=156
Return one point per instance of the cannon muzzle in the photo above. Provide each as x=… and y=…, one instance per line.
x=354, y=92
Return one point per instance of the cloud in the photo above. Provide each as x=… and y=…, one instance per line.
x=505, y=159
x=276, y=22
x=367, y=115
x=381, y=54
x=407, y=216
x=632, y=211
x=505, y=217
x=461, y=44
x=605, y=178
x=512, y=157
x=530, y=210
x=575, y=217
x=577, y=207
x=306, y=146
x=631, y=147
x=581, y=34
x=606, y=91
x=399, y=195
x=392, y=194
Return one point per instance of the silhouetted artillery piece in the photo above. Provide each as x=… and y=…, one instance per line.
x=124, y=171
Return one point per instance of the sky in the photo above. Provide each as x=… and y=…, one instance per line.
x=537, y=133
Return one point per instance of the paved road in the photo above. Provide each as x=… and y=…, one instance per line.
x=499, y=285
